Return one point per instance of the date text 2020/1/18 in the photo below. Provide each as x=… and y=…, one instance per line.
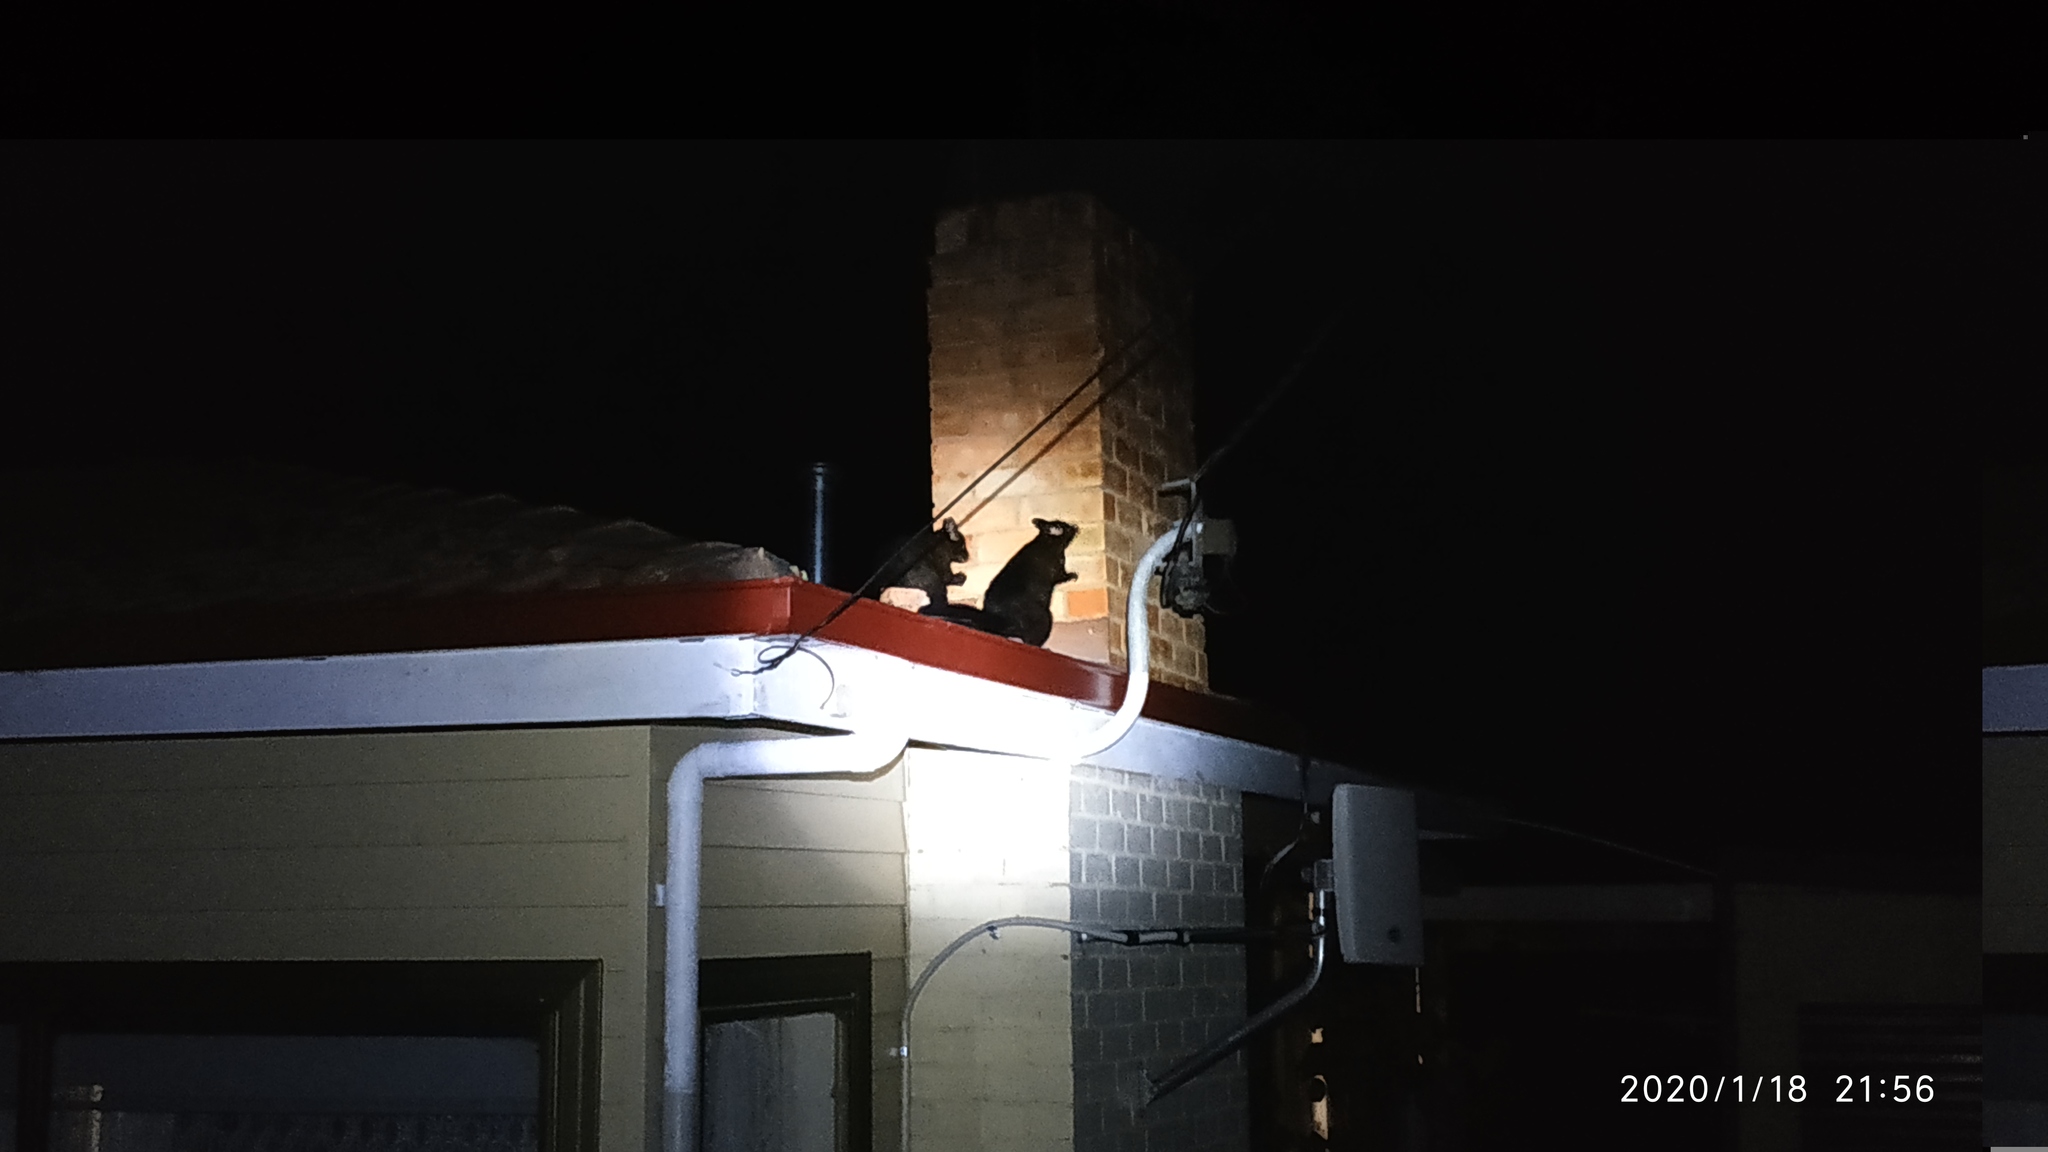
x=1698, y=1089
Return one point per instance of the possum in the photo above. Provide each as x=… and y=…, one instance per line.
x=1020, y=597
x=929, y=567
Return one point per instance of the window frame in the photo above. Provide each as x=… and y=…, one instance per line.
x=755, y=988
x=555, y=1003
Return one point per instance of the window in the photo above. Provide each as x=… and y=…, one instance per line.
x=146, y=1092
x=786, y=1054
x=372, y=1057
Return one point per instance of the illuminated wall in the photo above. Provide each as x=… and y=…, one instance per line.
x=992, y=1040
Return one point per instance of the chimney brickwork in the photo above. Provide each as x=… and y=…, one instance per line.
x=1027, y=297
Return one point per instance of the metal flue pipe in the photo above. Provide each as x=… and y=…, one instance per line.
x=819, y=473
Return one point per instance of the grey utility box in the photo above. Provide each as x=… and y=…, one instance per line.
x=1379, y=885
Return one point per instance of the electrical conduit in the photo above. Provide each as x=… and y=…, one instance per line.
x=1138, y=647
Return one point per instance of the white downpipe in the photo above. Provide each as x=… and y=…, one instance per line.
x=855, y=752
x=1138, y=649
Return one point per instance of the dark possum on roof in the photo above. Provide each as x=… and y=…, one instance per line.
x=1019, y=599
x=929, y=568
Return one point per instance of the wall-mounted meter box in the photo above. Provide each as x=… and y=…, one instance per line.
x=1378, y=875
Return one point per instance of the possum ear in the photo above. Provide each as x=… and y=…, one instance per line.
x=951, y=528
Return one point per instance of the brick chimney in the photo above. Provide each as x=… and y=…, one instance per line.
x=1027, y=298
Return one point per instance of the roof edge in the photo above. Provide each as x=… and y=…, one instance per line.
x=773, y=607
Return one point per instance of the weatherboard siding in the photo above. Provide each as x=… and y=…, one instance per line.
x=526, y=844
x=322, y=846
x=385, y=846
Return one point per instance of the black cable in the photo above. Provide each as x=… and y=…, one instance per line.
x=1129, y=374
x=1280, y=389
x=1553, y=829
x=1180, y=534
x=1244, y=427
x=1306, y=759
x=918, y=536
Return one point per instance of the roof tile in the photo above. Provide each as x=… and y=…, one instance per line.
x=159, y=537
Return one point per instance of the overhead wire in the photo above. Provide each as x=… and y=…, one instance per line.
x=1555, y=830
x=1273, y=395
x=1129, y=373
x=1228, y=248
x=1280, y=388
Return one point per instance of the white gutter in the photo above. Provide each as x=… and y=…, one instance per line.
x=858, y=752
x=686, y=680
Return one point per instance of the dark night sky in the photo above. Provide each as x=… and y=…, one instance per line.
x=1631, y=489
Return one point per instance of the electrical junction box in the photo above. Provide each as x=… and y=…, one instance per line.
x=1378, y=875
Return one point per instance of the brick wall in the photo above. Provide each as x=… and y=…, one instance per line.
x=1027, y=298
x=1157, y=853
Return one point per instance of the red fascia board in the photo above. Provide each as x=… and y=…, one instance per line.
x=745, y=608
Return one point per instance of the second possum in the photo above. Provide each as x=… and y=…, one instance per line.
x=1020, y=596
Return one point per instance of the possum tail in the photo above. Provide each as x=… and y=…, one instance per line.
x=973, y=618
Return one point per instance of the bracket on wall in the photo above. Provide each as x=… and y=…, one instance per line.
x=1183, y=583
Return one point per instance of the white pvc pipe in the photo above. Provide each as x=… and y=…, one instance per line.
x=1137, y=647
x=679, y=1086
x=1079, y=931
x=857, y=752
